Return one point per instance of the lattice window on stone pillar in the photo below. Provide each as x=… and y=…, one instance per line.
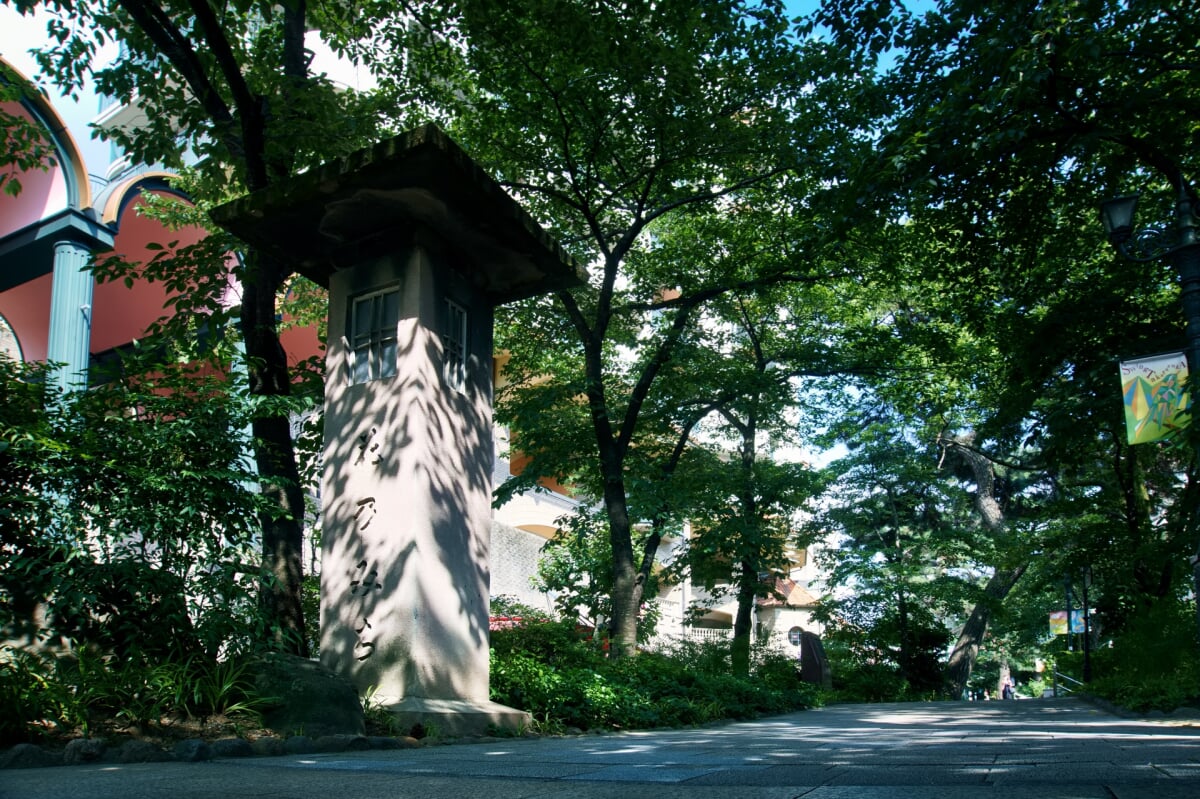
x=373, y=338
x=455, y=347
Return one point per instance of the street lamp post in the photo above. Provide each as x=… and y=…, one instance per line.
x=1067, y=594
x=1181, y=244
x=1087, y=626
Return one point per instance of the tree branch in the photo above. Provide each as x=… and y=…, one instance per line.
x=159, y=27
x=249, y=106
x=703, y=295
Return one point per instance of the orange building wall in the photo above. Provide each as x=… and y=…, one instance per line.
x=27, y=309
x=42, y=192
x=121, y=314
x=300, y=343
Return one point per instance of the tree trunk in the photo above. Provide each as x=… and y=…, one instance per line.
x=243, y=130
x=1005, y=676
x=962, y=658
x=627, y=583
x=279, y=475
x=743, y=622
x=282, y=536
x=907, y=666
x=747, y=582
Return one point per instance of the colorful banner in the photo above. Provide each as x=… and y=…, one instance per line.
x=1058, y=622
x=1155, y=402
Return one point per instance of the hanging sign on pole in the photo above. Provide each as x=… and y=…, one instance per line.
x=1156, y=405
x=1058, y=622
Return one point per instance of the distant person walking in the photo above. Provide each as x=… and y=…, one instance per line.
x=1009, y=691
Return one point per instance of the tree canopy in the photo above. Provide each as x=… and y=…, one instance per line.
x=874, y=227
x=608, y=121
x=228, y=99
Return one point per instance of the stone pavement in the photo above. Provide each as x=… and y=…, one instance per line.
x=1028, y=749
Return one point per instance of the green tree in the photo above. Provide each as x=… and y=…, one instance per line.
x=607, y=120
x=127, y=517
x=744, y=507
x=909, y=552
x=228, y=97
x=1007, y=129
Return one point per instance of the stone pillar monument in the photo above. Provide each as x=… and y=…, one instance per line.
x=416, y=246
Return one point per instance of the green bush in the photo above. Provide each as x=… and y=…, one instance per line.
x=774, y=669
x=1153, y=665
x=128, y=517
x=77, y=691
x=564, y=682
x=25, y=698
x=508, y=606
x=870, y=682
x=555, y=643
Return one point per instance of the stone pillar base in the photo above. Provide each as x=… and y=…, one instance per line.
x=455, y=717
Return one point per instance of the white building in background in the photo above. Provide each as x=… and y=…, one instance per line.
x=690, y=611
x=523, y=526
x=520, y=529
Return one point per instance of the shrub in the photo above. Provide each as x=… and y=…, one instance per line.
x=25, y=698
x=508, y=606
x=1153, y=665
x=77, y=691
x=555, y=643
x=127, y=517
x=870, y=682
x=546, y=670
x=774, y=668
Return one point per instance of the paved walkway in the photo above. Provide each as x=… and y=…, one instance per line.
x=1029, y=749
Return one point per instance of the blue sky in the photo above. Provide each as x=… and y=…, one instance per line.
x=17, y=35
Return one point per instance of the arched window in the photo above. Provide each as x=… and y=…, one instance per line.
x=794, y=636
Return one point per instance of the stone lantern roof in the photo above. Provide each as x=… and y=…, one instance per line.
x=418, y=184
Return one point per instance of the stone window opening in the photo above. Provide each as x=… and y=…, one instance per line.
x=454, y=348
x=373, y=341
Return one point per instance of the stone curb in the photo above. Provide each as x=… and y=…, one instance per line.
x=81, y=751
x=1181, y=715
